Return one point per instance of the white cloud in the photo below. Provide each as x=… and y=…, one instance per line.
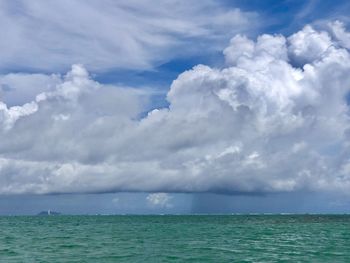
x=309, y=45
x=48, y=35
x=161, y=200
x=257, y=125
x=18, y=88
x=116, y=201
x=337, y=28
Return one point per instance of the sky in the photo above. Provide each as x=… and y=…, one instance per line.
x=126, y=107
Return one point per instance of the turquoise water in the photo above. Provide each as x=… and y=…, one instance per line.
x=239, y=238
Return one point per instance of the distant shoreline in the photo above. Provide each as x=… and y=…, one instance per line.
x=167, y=215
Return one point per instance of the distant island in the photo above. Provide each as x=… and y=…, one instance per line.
x=48, y=213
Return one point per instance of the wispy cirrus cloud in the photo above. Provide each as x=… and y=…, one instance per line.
x=106, y=35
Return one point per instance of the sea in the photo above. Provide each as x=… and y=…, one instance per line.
x=175, y=238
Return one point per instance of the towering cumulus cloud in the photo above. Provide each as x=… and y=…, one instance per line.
x=274, y=118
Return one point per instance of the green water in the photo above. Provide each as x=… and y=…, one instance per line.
x=287, y=238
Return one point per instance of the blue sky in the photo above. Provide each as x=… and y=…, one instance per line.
x=278, y=17
x=183, y=107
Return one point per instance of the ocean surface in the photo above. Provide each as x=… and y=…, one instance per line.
x=192, y=238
